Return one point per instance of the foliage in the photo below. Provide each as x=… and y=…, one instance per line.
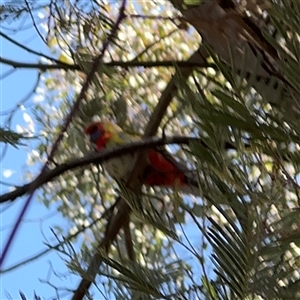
x=11, y=137
x=239, y=238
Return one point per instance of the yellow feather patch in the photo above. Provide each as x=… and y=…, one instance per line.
x=118, y=136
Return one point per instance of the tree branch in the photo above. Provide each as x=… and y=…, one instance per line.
x=118, y=220
x=122, y=64
x=31, y=50
x=65, y=126
x=33, y=21
x=39, y=66
x=59, y=244
x=95, y=158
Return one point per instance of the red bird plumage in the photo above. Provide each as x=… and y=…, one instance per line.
x=161, y=170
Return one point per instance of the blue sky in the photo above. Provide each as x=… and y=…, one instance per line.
x=38, y=220
x=37, y=224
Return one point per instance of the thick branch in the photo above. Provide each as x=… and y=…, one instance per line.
x=94, y=158
x=119, y=220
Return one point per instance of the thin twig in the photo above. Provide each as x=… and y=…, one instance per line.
x=65, y=126
x=22, y=101
x=58, y=245
x=12, y=111
x=33, y=21
x=7, y=73
x=31, y=50
x=145, y=17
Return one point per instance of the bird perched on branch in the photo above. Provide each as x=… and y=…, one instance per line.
x=161, y=170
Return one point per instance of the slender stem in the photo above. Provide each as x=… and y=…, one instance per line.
x=30, y=50
x=65, y=126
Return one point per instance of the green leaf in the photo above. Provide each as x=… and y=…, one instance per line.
x=11, y=137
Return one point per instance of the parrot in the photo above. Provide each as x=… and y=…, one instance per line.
x=162, y=170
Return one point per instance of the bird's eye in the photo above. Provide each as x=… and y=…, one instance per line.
x=93, y=129
x=95, y=135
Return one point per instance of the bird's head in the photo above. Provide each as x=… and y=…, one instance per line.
x=99, y=136
x=101, y=133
